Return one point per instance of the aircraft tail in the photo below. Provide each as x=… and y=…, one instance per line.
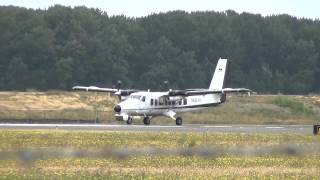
x=219, y=74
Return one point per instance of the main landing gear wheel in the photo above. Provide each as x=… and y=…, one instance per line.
x=146, y=120
x=129, y=121
x=179, y=121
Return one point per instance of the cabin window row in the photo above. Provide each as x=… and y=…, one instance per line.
x=156, y=102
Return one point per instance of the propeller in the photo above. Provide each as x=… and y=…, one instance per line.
x=166, y=84
x=119, y=83
x=123, y=92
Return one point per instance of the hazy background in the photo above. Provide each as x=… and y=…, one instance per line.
x=138, y=8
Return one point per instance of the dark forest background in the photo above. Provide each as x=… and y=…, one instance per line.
x=61, y=47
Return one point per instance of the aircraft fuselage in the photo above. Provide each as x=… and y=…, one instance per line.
x=156, y=103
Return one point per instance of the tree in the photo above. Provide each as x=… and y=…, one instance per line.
x=64, y=69
x=63, y=46
x=16, y=75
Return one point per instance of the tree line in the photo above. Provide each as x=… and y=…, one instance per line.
x=62, y=46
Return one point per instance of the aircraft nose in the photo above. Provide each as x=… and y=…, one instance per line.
x=117, y=109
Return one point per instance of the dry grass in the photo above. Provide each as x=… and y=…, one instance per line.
x=189, y=172
x=54, y=100
x=13, y=140
x=91, y=106
x=305, y=166
x=258, y=110
x=55, y=105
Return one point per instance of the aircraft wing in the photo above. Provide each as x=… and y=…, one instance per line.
x=207, y=91
x=94, y=88
x=117, y=92
x=225, y=90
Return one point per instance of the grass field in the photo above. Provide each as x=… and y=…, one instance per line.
x=56, y=154
x=74, y=106
x=18, y=160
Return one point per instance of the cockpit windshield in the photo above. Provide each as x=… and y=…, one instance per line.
x=139, y=97
x=135, y=96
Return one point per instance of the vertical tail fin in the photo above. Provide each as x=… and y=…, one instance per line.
x=219, y=74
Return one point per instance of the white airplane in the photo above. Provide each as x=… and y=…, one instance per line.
x=135, y=104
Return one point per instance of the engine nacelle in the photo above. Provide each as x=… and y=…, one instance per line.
x=125, y=92
x=177, y=93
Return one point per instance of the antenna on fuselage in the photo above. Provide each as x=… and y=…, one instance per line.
x=166, y=84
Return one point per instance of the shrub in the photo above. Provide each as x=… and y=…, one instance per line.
x=295, y=106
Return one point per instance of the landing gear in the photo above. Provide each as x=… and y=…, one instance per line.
x=178, y=121
x=146, y=120
x=129, y=121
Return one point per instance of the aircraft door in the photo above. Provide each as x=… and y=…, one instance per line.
x=145, y=103
x=153, y=105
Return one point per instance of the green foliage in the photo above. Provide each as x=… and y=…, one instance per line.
x=63, y=46
x=295, y=106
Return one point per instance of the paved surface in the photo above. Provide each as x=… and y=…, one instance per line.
x=300, y=129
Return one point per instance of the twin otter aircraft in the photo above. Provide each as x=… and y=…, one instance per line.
x=146, y=104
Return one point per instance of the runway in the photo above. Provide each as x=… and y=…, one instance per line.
x=300, y=129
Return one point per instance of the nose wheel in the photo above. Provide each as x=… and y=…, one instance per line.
x=178, y=121
x=146, y=120
x=129, y=121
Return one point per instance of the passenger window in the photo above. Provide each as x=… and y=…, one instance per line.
x=160, y=102
x=180, y=102
x=156, y=102
x=185, y=102
x=143, y=99
x=151, y=102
